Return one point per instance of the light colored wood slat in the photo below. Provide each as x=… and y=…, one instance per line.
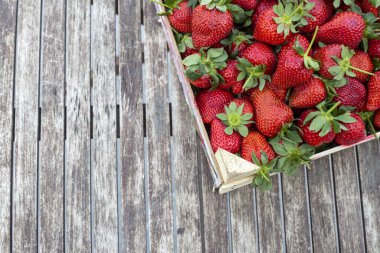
x=350, y=225
x=322, y=206
x=271, y=238
x=243, y=220
x=296, y=213
x=26, y=127
x=78, y=226
x=104, y=120
x=52, y=127
x=158, y=134
x=368, y=157
x=185, y=168
x=214, y=207
x=131, y=129
x=7, y=48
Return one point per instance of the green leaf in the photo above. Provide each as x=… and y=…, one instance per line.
x=229, y=130
x=255, y=159
x=243, y=130
x=191, y=60
x=222, y=116
x=345, y=118
x=325, y=130
x=317, y=123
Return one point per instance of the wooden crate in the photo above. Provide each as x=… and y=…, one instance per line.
x=229, y=171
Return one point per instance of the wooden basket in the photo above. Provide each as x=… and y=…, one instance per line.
x=229, y=171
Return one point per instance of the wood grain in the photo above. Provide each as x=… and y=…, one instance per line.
x=132, y=130
x=26, y=127
x=350, y=226
x=104, y=167
x=296, y=212
x=368, y=159
x=158, y=134
x=7, y=49
x=52, y=127
x=271, y=238
x=78, y=219
x=243, y=220
x=214, y=207
x=322, y=206
x=184, y=146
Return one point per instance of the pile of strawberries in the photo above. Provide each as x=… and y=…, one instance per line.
x=276, y=81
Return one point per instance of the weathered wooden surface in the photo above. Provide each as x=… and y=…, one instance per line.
x=86, y=179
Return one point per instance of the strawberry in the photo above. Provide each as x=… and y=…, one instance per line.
x=361, y=61
x=210, y=26
x=291, y=44
x=219, y=139
x=210, y=103
x=345, y=28
x=203, y=82
x=373, y=96
x=355, y=132
x=230, y=75
x=376, y=119
x=367, y=6
x=320, y=13
x=308, y=94
x=237, y=42
x=311, y=137
x=188, y=51
x=352, y=94
x=280, y=93
x=259, y=53
x=261, y=7
x=248, y=5
x=374, y=48
x=179, y=14
x=324, y=57
x=237, y=116
x=256, y=143
x=271, y=113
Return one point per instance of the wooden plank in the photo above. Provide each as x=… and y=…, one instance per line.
x=104, y=122
x=7, y=48
x=322, y=207
x=52, y=127
x=271, y=238
x=26, y=127
x=214, y=207
x=131, y=127
x=78, y=226
x=185, y=169
x=296, y=212
x=243, y=220
x=368, y=158
x=349, y=214
x=158, y=133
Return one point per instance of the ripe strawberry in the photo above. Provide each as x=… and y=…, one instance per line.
x=308, y=94
x=320, y=13
x=373, y=96
x=374, y=48
x=280, y=93
x=361, y=61
x=376, y=120
x=266, y=29
x=271, y=113
x=219, y=139
x=188, y=51
x=210, y=103
x=345, y=28
x=352, y=94
x=237, y=42
x=203, y=83
x=311, y=137
x=367, y=6
x=324, y=57
x=291, y=43
x=210, y=26
x=179, y=15
x=355, y=132
x=230, y=75
x=261, y=7
x=248, y=5
x=256, y=142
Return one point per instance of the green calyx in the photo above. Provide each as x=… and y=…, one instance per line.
x=309, y=62
x=262, y=178
x=289, y=132
x=206, y=63
x=291, y=156
x=375, y=3
x=344, y=67
x=368, y=118
x=235, y=120
x=372, y=29
x=169, y=5
x=236, y=37
x=221, y=5
x=325, y=121
x=337, y=3
x=183, y=41
x=291, y=15
x=255, y=75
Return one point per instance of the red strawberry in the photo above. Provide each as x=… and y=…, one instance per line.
x=210, y=103
x=259, y=53
x=361, y=61
x=367, y=6
x=345, y=28
x=280, y=93
x=203, y=83
x=256, y=142
x=230, y=75
x=310, y=137
x=373, y=96
x=324, y=57
x=248, y=5
x=376, y=120
x=291, y=41
x=188, y=51
x=210, y=26
x=261, y=7
x=308, y=94
x=352, y=94
x=320, y=13
x=266, y=29
x=355, y=132
x=271, y=113
x=374, y=48
x=219, y=139
x=181, y=16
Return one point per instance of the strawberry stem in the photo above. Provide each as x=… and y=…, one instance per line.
x=312, y=41
x=361, y=71
x=264, y=176
x=160, y=3
x=334, y=107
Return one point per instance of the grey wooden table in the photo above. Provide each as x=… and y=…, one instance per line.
x=99, y=152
